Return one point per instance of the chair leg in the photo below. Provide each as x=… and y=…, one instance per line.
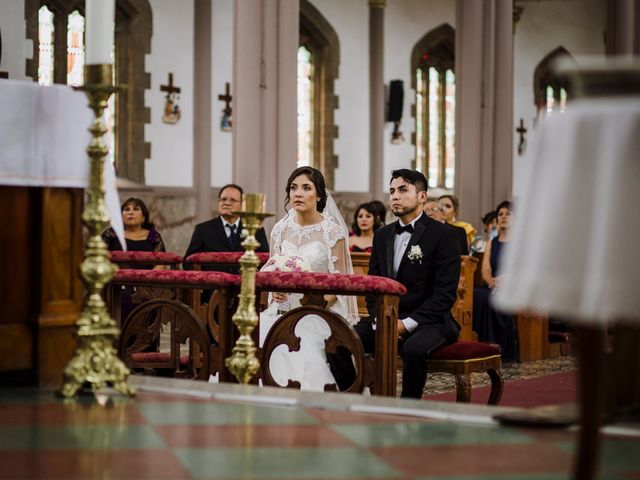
x=497, y=385
x=463, y=388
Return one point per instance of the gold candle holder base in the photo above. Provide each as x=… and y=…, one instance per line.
x=96, y=363
x=243, y=362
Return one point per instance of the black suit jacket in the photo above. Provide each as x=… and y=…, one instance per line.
x=431, y=282
x=211, y=236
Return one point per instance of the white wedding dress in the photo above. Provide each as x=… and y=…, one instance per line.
x=325, y=247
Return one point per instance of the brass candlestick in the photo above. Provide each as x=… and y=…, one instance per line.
x=96, y=362
x=243, y=362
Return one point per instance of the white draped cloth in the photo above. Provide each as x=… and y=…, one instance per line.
x=43, y=140
x=575, y=249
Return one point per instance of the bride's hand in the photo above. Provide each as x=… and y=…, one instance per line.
x=279, y=297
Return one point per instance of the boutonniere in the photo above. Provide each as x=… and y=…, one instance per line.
x=415, y=254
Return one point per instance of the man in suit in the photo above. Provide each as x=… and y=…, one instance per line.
x=222, y=233
x=432, y=210
x=424, y=256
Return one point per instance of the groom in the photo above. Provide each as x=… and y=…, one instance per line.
x=424, y=256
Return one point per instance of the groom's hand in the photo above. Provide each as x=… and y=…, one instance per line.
x=402, y=330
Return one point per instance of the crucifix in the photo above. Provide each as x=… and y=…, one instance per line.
x=225, y=122
x=170, y=89
x=522, y=144
x=171, y=108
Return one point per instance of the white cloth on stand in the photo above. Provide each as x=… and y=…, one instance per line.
x=575, y=246
x=43, y=140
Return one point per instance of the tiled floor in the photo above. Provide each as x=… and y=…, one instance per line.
x=173, y=435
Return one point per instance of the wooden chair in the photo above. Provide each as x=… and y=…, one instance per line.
x=360, y=262
x=462, y=310
x=463, y=358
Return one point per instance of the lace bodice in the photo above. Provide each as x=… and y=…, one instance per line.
x=316, y=243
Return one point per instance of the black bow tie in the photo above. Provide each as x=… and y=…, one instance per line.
x=400, y=229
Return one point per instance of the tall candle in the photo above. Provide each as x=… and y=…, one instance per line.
x=99, y=31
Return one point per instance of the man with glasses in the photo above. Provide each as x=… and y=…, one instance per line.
x=222, y=233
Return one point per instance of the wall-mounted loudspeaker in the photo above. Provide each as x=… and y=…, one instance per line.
x=396, y=98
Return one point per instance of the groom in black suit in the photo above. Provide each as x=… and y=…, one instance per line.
x=424, y=256
x=222, y=233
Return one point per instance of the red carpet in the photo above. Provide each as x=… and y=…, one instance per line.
x=532, y=392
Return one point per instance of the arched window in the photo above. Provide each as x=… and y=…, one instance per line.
x=434, y=81
x=57, y=30
x=551, y=91
x=318, y=61
x=305, y=107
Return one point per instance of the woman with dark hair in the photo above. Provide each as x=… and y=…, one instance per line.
x=314, y=234
x=139, y=233
x=493, y=326
x=141, y=236
x=449, y=206
x=379, y=210
x=365, y=223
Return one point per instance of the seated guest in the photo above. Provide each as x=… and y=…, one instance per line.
x=490, y=325
x=222, y=233
x=365, y=222
x=380, y=210
x=141, y=236
x=139, y=233
x=449, y=206
x=490, y=231
x=432, y=209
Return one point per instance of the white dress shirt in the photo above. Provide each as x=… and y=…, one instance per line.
x=227, y=227
x=399, y=248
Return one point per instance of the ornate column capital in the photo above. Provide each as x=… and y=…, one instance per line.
x=377, y=3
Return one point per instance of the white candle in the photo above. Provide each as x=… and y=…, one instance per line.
x=99, y=31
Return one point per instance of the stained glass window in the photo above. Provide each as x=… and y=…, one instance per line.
x=305, y=107
x=435, y=125
x=563, y=100
x=449, y=128
x=75, y=49
x=550, y=99
x=45, y=46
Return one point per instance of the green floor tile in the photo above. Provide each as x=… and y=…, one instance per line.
x=281, y=463
x=191, y=413
x=620, y=456
x=79, y=437
x=416, y=434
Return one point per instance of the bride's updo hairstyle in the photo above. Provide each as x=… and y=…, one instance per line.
x=318, y=181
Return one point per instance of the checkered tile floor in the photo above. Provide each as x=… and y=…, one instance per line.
x=172, y=436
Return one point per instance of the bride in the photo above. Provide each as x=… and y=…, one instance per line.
x=313, y=229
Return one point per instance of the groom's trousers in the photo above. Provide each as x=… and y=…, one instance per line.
x=414, y=350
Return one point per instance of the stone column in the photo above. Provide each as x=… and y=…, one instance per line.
x=264, y=96
x=623, y=27
x=376, y=97
x=484, y=105
x=202, y=113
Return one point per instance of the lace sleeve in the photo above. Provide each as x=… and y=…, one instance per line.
x=339, y=262
x=276, y=237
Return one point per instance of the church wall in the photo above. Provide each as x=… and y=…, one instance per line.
x=406, y=23
x=14, y=44
x=350, y=20
x=576, y=25
x=222, y=72
x=171, y=162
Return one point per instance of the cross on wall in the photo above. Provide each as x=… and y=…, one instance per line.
x=170, y=88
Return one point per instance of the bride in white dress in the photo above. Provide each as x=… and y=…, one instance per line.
x=314, y=230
